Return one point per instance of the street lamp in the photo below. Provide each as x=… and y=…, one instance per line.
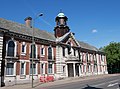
x=33, y=42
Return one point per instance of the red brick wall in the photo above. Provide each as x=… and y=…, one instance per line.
x=27, y=68
x=27, y=56
x=27, y=51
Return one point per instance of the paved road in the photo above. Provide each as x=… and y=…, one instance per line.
x=111, y=82
x=90, y=82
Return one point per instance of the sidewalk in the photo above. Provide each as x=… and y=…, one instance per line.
x=63, y=81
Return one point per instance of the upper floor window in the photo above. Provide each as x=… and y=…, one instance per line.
x=102, y=58
x=50, y=52
x=42, y=51
x=63, y=51
x=79, y=55
x=11, y=48
x=87, y=57
x=23, y=47
x=33, y=51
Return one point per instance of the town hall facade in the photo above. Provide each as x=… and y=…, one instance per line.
x=59, y=55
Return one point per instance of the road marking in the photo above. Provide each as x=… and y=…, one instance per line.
x=105, y=83
x=114, y=81
x=99, y=84
x=110, y=85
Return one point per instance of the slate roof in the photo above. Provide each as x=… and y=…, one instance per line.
x=22, y=29
x=87, y=46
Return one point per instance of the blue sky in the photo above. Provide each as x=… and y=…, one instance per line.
x=96, y=22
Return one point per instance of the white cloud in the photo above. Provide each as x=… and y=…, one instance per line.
x=94, y=31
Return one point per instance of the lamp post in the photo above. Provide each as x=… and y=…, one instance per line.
x=33, y=42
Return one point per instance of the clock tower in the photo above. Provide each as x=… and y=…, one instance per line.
x=61, y=27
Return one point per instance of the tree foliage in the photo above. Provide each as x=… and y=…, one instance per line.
x=113, y=56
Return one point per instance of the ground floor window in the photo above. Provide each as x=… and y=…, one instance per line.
x=81, y=69
x=85, y=68
x=10, y=69
x=34, y=68
x=63, y=69
x=42, y=68
x=95, y=68
x=50, y=71
x=89, y=68
x=22, y=68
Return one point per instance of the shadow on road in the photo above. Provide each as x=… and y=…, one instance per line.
x=90, y=87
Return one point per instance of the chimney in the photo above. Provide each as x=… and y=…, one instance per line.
x=28, y=22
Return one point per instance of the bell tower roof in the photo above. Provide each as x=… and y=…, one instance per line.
x=61, y=14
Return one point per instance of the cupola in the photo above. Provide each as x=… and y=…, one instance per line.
x=61, y=25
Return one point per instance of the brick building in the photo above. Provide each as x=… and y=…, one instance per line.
x=59, y=55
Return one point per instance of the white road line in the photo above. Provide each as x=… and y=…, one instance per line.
x=110, y=85
x=99, y=84
x=105, y=83
x=114, y=81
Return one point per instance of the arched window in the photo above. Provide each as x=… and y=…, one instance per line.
x=11, y=47
x=50, y=53
x=34, y=51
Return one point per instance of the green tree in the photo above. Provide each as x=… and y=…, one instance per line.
x=113, y=56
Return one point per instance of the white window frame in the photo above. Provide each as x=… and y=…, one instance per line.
x=15, y=49
x=85, y=68
x=42, y=55
x=14, y=69
x=24, y=68
x=35, y=49
x=81, y=56
x=52, y=52
x=42, y=72
x=51, y=69
x=23, y=53
x=36, y=68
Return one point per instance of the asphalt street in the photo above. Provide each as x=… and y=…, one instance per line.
x=111, y=82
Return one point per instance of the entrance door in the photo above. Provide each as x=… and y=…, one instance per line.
x=70, y=70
